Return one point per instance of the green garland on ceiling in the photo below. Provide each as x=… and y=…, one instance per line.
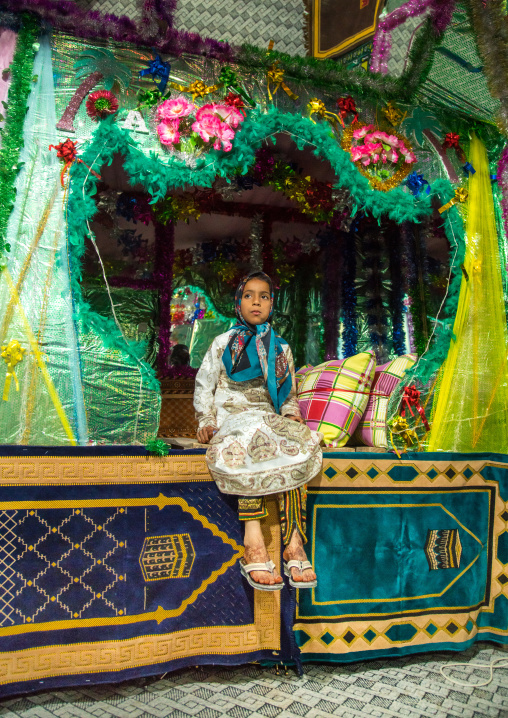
x=333, y=77
x=21, y=70
x=159, y=177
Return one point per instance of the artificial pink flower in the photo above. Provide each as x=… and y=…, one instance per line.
x=175, y=108
x=358, y=134
x=393, y=141
x=371, y=147
x=204, y=111
x=231, y=115
x=224, y=134
x=409, y=157
x=168, y=133
x=206, y=127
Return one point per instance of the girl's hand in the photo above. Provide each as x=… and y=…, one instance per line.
x=205, y=434
x=296, y=418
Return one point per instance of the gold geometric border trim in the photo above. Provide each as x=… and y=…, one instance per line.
x=111, y=656
x=72, y=470
x=368, y=635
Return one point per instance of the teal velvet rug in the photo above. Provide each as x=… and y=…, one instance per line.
x=411, y=555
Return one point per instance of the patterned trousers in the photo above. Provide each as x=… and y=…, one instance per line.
x=292, y=508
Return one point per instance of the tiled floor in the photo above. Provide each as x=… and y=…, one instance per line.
x=410, y=687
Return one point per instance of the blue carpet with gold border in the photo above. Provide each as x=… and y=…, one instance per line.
x=115, y=566
x=411, y=555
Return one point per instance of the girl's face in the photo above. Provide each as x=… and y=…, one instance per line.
x=256, y=301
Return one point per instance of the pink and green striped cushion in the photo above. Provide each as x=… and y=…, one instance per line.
x=333, y=395
x=371, y=429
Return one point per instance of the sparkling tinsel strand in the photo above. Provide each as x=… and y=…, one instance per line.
x=392, y=238
x=441, y=12
x=267, y=248
x=326, y=74
x=374, y=292
x=350, y=329
x=163, y=275
x=417, y=286
x=12, y=134
x=408, y=269
x=302, y=283
x=502, y=182
x=255, y=235
x=331, y=242
x=67, y=16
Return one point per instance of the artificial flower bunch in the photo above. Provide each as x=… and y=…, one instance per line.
x=187, y=128
x=379, y=150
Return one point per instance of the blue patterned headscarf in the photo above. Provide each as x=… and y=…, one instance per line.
x=255, y=350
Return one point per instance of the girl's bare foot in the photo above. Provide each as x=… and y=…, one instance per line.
x=294, y=551
x=259, y=554
x=255, y=552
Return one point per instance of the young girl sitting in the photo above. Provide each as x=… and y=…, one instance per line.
x=245, y=401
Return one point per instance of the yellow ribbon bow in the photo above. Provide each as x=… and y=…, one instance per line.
x=12, y=354
x=461, y=195
x=393, y=114
x=398, y=425
x=196, y=88
x=318, y=107
x=275, y=76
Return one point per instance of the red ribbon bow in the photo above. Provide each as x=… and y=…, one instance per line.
x=68, y=152
x=412, y=398
x=234, y=101
x=347, y=105
x=452, y=140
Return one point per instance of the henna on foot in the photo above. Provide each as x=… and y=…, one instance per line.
x=259, y=554
x=294, y=551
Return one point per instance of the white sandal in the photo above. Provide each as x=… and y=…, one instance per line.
x=269, y=566
x=301, y=566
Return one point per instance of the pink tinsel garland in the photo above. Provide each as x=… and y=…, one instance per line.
x=441, y=12
x=502, y=181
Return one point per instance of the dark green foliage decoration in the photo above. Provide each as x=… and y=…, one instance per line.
x=21, y=71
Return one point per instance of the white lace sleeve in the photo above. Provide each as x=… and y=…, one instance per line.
x=290, y=406
x=206, y=383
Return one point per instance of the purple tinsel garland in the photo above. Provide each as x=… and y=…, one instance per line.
x=179, y=372
x=441, y=12
x=331, y=241
x=163, y=276
x=68, y=17
x=165, y=9
x=502, y=181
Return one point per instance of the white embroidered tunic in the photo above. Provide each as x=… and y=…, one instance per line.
x=255, y=451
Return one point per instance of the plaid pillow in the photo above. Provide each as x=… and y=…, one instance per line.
x=305, y=369
x=333, y=396
x=371, y=430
